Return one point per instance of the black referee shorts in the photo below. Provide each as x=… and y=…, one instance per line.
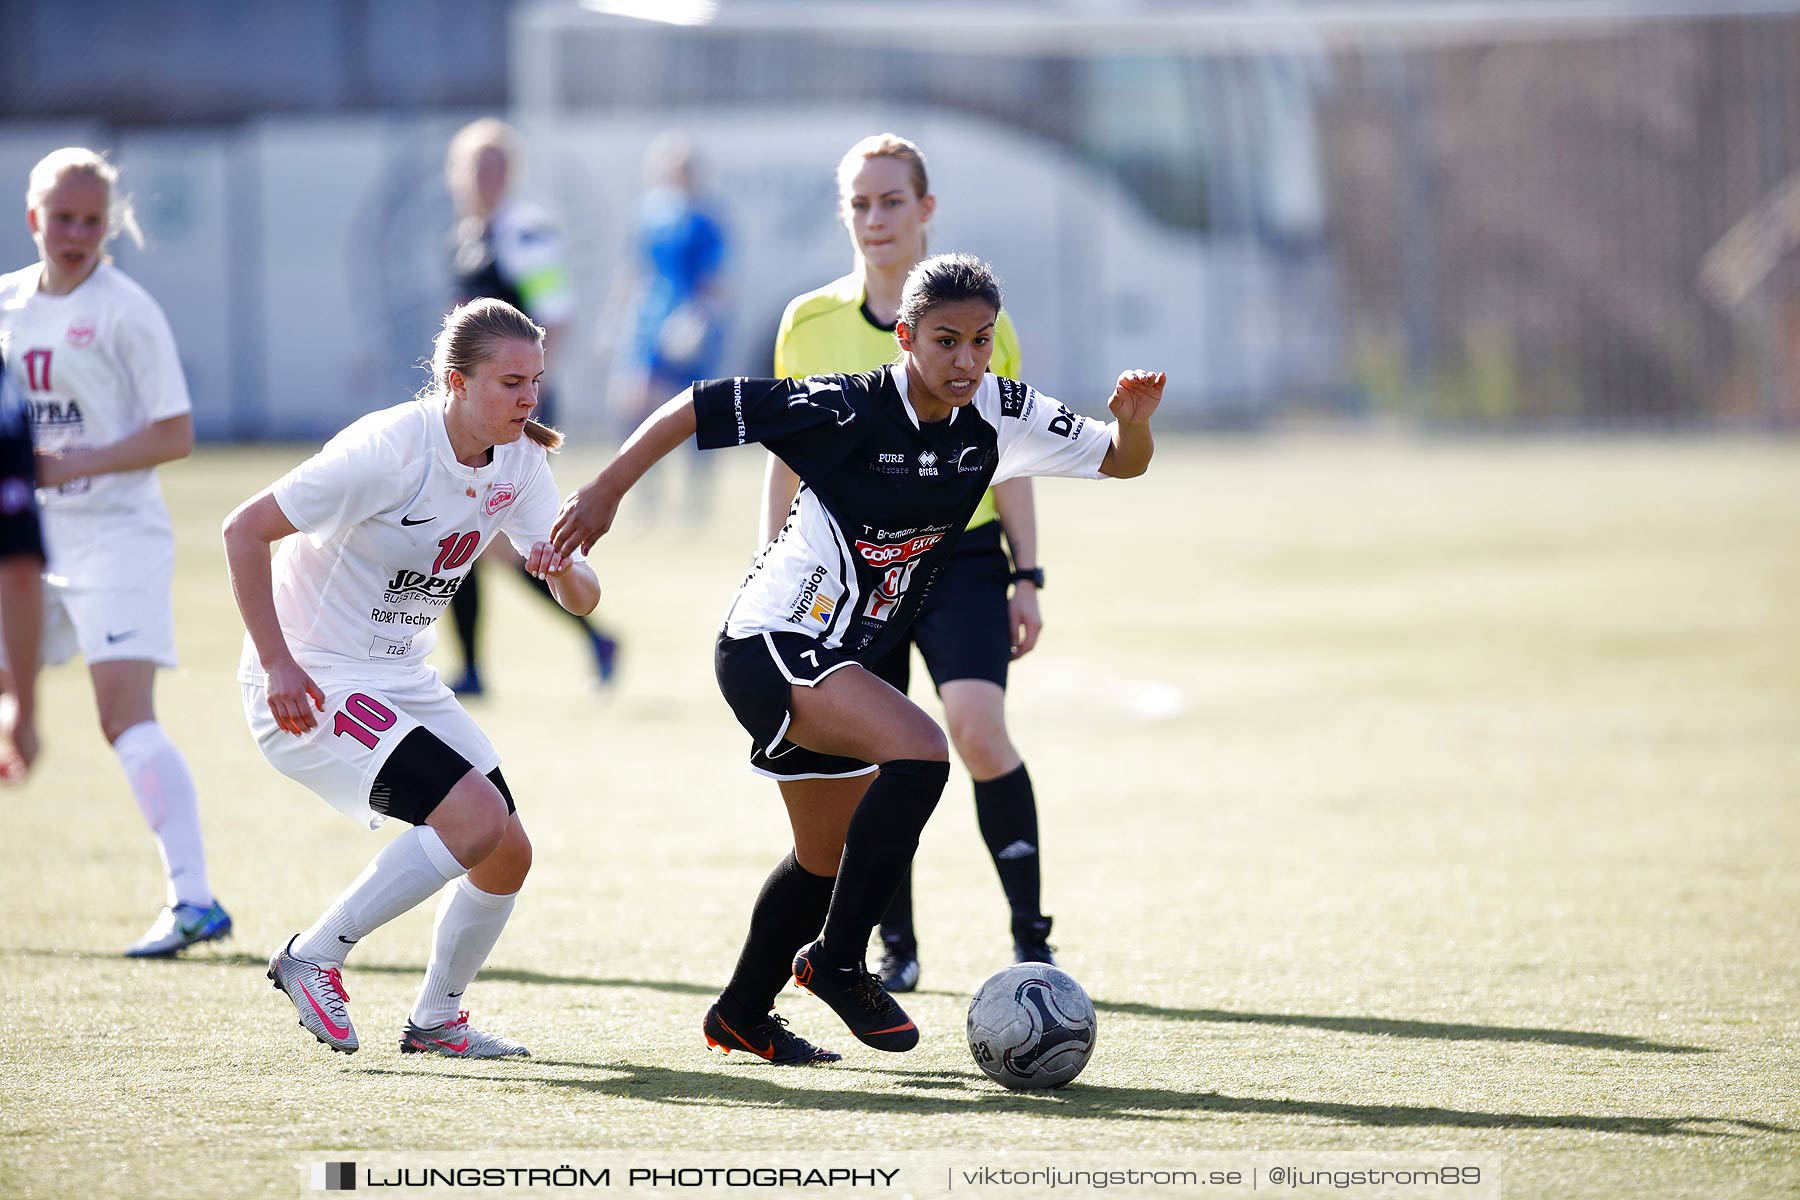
x=757, y=676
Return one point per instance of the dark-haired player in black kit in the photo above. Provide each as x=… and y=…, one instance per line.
x=21, y=584
x=892, y=463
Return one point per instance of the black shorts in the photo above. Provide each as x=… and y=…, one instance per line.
x=962, y=629
x=419, y=773
x=757, y=676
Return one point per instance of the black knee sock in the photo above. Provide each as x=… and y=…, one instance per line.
x=878, y=848
x=465, y=611
x=897, y=921
x=789, y=912
x=1006, y=810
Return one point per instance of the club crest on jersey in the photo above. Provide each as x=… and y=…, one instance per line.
x=499, y=496
x=81, y=333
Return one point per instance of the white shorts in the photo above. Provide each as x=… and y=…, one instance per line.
x=362, y=723
x=108, y=584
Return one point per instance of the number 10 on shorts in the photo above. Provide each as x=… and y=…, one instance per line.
x=363, y=718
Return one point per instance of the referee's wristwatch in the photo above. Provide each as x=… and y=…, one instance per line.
x=1032, y=575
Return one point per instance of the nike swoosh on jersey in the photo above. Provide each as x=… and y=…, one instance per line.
x=420, y=521
x=113, y=638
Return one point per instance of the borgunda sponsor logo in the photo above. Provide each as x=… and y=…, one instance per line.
x=809, y=604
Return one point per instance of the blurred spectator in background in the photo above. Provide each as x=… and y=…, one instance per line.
x=511, y=252
x=679, y=255
x=21, y=585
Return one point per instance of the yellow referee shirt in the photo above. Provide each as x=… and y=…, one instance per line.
x=826, y=332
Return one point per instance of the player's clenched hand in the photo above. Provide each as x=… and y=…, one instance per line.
x=545, y=561
x=1023, y=621
x=292, y=698
x=586, y=515
x=1136, y=395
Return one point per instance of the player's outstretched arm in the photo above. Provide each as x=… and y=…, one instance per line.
x=588, y=512
x=249, y=531
x=156, y=443
x=574, y=584
x=1134, y=399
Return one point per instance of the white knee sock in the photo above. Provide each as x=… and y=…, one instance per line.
x=407, y=871
x=165, y=795
x=469, y=922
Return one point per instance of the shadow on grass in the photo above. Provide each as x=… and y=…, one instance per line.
x=755, y=1085
x=1368, y=1026
x=1389, y=1027
x=488, y=975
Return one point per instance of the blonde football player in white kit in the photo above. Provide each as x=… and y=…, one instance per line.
x=93, y=355
x=391, y=516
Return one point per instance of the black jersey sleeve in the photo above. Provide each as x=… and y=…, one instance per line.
x=19, y=530
x=799, y=419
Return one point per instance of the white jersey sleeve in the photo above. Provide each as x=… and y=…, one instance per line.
x=1039, y=435
x=359, y=473
x=146, y=349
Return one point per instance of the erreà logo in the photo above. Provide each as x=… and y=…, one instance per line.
x=81, y=332
x=892, y=552
x=499, y=496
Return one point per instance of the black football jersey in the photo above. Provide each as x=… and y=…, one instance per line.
x=883, y=498
x=19, y=529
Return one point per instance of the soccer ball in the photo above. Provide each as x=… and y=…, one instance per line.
x=1031, y=1026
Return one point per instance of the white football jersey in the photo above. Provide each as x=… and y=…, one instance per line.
x=96, y=365
x=390, y=525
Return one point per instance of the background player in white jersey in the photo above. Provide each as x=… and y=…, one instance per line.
x=892, y=464
x=390, y=517
x=969, y=629
x=94, y=356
